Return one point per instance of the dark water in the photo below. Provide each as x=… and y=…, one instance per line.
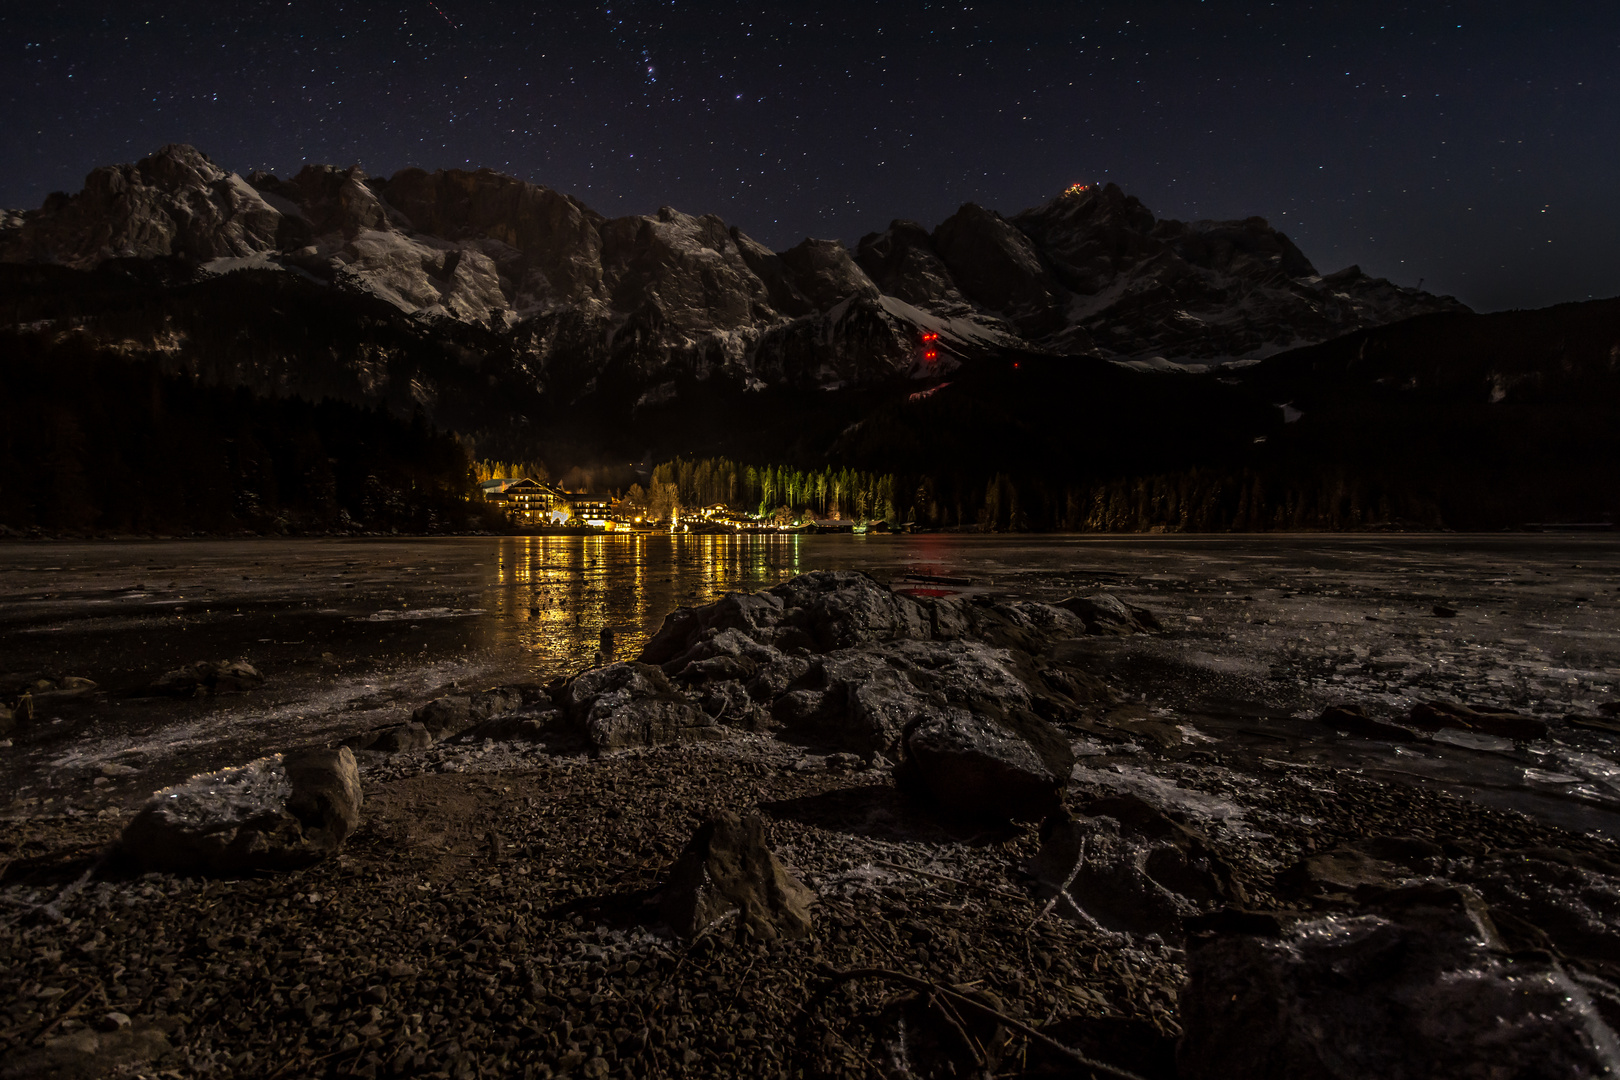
x=1260, y=633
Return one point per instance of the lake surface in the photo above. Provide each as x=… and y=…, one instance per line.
x=1260, y=633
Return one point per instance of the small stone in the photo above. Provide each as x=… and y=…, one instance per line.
x=728, y=867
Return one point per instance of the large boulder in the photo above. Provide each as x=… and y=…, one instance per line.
x=728, y=869
x=862, y=699
x=839, y=609
x=275, y=813
x=985, y=763
x=634, y=704
x=1416, y=986
x=819, y=611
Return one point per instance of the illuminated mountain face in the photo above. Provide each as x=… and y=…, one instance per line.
x=1093, y=272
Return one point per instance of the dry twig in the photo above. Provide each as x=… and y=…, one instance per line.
x=963, y=1002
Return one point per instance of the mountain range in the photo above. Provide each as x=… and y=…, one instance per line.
x=1082, y=342
x=1092, y=273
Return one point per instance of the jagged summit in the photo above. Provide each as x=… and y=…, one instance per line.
x=1092, y=272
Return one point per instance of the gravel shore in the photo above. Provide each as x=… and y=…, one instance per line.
x=483, y=922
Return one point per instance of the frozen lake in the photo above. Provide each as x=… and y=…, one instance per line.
x=1260, y=634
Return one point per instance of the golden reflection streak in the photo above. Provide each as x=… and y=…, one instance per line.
x=555, y=594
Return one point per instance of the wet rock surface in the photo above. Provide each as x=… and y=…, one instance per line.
x=1415, y=985
x=276, y=813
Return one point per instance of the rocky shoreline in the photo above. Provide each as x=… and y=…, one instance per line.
x=999, y=881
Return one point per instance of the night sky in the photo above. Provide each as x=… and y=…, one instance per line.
x=1474, y=146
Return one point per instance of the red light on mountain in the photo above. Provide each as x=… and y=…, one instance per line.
x=930, y=337
x=930, y=355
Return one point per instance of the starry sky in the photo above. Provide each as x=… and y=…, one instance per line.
x=1471, y=146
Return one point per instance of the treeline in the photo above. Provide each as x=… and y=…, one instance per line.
x=764, y=490
x=1201, y=500
x=1195, y=500
x=489, y=469
x=97, y=443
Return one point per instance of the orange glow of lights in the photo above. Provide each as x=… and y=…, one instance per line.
x=1076, y=189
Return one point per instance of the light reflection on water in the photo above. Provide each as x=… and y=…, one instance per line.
x=552, y=596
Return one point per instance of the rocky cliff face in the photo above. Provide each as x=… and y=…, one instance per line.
x=643, y=300
x=1094, y=272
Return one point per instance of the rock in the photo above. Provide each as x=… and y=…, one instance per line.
x=1105, y=613
x=950, y=617
x=1128, y=868
x=1434, y=715
x=1351, y=720
x=843, y=608
x=275, y=813
x=861, y=699
x=1414, y=987
x=122, y=1051
x=1441, y=611
x=207, y=677
x=985, y=763
x=8, y=720
x=823, y=610
x=1342, y=870
x=1554, y=898
x=393, y=739
x=528, y=725
x=445, y=716
x=494, y=702
x=69, y=686
x=851, y=699
x=729, y=703
x=634, y=704
x=325, y=794
x=727, y=868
